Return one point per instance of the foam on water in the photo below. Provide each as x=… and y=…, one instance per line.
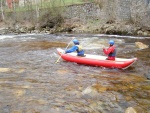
x=21, y=36
x=2, y=37
x=119, y=36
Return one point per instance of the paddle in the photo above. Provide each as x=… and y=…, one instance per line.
x=65, y=49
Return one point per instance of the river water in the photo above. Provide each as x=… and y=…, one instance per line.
x=32, y=82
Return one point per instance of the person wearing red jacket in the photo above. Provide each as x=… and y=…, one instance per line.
x=111, y=51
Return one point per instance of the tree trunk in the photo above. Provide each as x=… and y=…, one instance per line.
x=2, y=10
x=37, y=10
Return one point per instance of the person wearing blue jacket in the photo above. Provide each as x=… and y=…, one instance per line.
x=77, y=47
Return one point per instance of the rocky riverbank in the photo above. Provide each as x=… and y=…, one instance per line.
x=74, y=26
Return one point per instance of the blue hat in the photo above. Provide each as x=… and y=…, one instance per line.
x=75, y=41
x=111, y=42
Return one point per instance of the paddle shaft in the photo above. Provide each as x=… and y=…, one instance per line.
x=65, y=50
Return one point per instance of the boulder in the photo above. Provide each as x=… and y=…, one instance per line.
x=140, y=45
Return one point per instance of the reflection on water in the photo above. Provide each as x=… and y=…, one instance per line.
x=31, y=81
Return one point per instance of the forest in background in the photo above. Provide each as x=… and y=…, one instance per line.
x=19, y=6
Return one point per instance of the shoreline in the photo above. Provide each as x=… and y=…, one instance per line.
x=120, y=29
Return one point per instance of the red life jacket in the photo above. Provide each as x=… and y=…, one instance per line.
x=111, y=52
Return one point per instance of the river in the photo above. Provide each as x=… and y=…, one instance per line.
x=32, y=82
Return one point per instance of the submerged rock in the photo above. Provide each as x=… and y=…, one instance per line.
x=89, y=90
x=94, y=89
x=147, y=75
x=130, y=110
x=4, y=70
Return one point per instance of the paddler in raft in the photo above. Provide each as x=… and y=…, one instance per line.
x=111, y=51
x=77, y=47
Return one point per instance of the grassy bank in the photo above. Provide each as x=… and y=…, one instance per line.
x=41, y=5
x=33, y=12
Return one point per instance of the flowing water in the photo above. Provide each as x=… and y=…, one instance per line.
x=32, y=82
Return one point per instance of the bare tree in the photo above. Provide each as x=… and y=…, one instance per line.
x=37, y=9
x=2, y=11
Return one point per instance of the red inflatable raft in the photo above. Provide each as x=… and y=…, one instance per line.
x=96, y=60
